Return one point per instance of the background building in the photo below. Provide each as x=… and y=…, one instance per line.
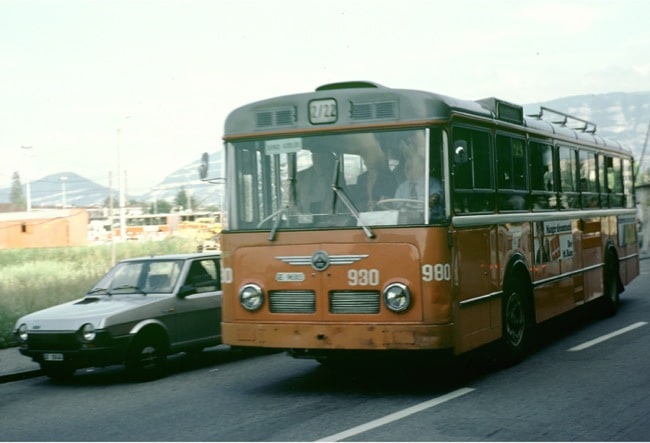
x=44, y=228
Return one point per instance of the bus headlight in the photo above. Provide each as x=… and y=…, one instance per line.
x=21, y=333
x=397, y=297
x=87, y=333
x=251, y=297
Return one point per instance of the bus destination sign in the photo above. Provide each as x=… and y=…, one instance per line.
x=322, y=111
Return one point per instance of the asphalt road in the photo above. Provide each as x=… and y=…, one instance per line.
x=588, y=380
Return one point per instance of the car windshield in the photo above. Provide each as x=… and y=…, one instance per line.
x=336, y=180
x=152, y=276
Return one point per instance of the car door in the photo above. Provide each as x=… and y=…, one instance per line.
x=198, y=315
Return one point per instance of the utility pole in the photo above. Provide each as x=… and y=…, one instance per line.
x=28, y=188
x=639, y=171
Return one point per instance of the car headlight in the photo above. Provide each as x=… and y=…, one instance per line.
x=21, y=333
x=251, y=297
x=87, y=333
x=397, y=297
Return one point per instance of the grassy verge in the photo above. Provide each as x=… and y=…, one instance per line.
x=34, y=279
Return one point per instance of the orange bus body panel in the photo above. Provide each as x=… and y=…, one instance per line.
x=393, y=256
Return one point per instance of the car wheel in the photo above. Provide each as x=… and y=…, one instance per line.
x=57, y=372
x=147, y=358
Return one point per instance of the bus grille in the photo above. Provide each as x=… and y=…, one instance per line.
x=374, y=111
x=354, y=302
x=275, y=117
x=292, y=302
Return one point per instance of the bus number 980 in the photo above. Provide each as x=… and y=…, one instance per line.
x=437, y=272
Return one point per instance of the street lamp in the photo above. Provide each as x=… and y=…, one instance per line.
x=120, y=184
x=28, y=187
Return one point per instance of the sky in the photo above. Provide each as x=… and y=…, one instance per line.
x=144, y=86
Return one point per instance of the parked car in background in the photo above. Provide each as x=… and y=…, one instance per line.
x=141, y=311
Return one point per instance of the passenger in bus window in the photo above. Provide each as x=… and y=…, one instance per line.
x=377, y=182
x=314, y=192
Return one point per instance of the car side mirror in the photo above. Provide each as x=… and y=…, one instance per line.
x=186, y=290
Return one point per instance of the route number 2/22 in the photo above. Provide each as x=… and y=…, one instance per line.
x=323, y=111
x=437, y=272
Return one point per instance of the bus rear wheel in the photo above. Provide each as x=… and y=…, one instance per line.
x=611, y=298
x=517, y=322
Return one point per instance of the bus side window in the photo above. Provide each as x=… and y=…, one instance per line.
x=628, y=183
x=614, y=182
x=511, y=173
x=473, y=177
x=589, y=179
x=542, y=176
x=570, y=197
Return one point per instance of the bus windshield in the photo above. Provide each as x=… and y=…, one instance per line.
x=336, y=180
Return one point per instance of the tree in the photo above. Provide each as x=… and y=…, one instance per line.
x=17, y=198
x=185, y=201
x=160, y=207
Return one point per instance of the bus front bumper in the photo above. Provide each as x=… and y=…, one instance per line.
x=340, y=337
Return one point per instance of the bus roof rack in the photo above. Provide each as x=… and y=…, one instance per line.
x=584, y=125
x=348, y=85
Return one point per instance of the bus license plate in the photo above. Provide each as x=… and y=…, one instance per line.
x=53, y=357
x=289, y=277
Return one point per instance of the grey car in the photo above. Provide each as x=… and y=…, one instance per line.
x=141, y=311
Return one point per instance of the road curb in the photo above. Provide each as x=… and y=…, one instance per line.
x=23, y=375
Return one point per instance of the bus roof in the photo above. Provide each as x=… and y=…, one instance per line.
x=363, y=104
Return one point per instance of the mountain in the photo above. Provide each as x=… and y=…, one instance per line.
x=76, y=190
x=620, y=116
x=624, y=117
x=208, y=193
x=63, y=189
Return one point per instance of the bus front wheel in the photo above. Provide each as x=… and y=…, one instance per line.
x=517, y=322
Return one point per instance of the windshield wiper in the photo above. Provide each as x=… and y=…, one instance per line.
x=124, y=287
x=340, y=193
x=98, y=290
x=276, y=223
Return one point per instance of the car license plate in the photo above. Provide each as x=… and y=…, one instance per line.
x=53, y=357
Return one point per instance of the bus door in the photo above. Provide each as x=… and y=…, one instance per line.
x=475, y=280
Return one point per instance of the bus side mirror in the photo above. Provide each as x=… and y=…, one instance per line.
x=460, y=152
x=203, y=167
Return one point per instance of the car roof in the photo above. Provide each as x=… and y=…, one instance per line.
x=187, y=256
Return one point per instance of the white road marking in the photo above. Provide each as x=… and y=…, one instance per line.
x=397, y=415
x=602, y=338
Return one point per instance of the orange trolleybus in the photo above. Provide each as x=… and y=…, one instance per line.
x=361, y=217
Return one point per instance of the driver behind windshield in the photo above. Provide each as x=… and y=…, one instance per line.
x=413, y=187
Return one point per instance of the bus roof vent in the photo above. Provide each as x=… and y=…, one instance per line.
x=564, y=119
x=386, y=110
x=270, y=118
x=508, y=112
x=348, y=85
